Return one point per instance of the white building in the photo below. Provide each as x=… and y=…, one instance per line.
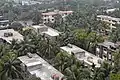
x=82, y=55
x=109, y=20
x=26, y=2
x=47, y=31
x=111, y=10
x=106, y=49
x=30, y=2
x=49, y=16
x=35, y=65
x=8, y=35
x=3, y=22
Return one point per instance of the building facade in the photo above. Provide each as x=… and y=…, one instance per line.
x=106, y=49
x=50, y=16
x=111, y=21
x=3, y=22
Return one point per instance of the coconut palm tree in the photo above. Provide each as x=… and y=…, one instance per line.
x=61, y=60
x=37, y=17
x=11, y=67
x=26, y=47
x=49, y=48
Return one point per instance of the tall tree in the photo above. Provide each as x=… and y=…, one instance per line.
x=11, y=67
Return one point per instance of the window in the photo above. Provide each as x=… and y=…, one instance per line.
x=114, y=21
x=98, y=18
x=113, y=24
x=65, y=13
x=48, y=19
x=104, y=56
x=45, y=19
x=52, y=19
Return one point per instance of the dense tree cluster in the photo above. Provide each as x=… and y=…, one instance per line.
x=81, y=28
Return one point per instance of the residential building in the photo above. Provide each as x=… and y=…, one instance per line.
x=82, y=55
x=50, y=16
x=3, y=22
x=8, y=35
x=46, y=31
x=30, y=2
x=111, y=21
x=106, y=49
x=111, y=10
x=35, y=65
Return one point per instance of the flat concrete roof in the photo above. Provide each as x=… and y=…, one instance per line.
x=56, y=12
x=49, y=13
x=107, y=44
x=50, y=31
x=76, y=50
x=16, y=35
x=109, y=17
x=4, y=21
x=44, y=70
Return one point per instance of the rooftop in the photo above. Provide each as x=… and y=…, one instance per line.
x=62, y=12
x=38, y=66
x=82, y=55
x=112, y=10
x=4, y=21
x=50, y=31
x=1, y=16
x=108, y=17
x=56, y=12
x=16, y=35
x=39, y=26
x=49, y=13
x=108, y=44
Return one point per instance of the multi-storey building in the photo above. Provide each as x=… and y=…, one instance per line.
x=111, y=21
x=50, y=16
x=106, y=49
x=8, y=35
x=49, y=32
x=3, y=22
x=87, y=58
x=35, y=65
x=111, y=10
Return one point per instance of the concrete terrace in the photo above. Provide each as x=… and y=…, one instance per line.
x=82, y=55
x=46, y=30
x=16, y=35
x=38, y=66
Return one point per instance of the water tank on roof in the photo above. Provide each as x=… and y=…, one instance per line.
x=80, y=54
x=8, y=34
x=99, y=61
x=90, y=59
x=29, y=55
x=69, y=45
